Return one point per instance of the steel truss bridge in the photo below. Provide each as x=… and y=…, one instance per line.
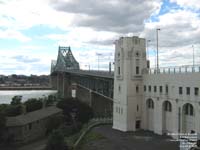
x=65, y=71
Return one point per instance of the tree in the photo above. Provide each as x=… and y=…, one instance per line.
x=198, y=143
x=33, y=104
x=53, y=123
x=3, y=107
x=2, y=125
x=16, y=100
x=50, y=100
x=56, y=141
x=72, y=107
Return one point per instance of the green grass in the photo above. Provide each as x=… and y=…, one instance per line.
x=70, y=140
x=89, y=137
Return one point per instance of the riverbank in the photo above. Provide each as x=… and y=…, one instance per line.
x=7, y=95
x=26, y=88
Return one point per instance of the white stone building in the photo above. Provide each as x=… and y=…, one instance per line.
x=163, y=101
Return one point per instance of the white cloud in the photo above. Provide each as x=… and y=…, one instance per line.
x=23, y=61
x=188, y=3
x=12, y=34
x=24, y=14
x=107, y=15
x=78, y=36
x=91, y=27
x=180, y=29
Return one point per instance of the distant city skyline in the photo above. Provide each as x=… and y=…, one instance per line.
x=31, y=31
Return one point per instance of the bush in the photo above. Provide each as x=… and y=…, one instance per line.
x=33, y=104
x=50, y=100
x=69, y=130
x=198, y=143
x=13, y=110
x=53, y=123
x=3, y=108
x=16, y=100
x=2, y=125
x=56, y=141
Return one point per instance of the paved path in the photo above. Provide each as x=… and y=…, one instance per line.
x=140, y=140
x=37, y=145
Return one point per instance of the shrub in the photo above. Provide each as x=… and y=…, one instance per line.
x=13, y=110
x=53, y=123
x=2, y=125
x=16, y=100
x=33, y=104
x=56, y=141
x=50, y=100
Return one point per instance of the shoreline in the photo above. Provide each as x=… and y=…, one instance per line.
x=26, y=88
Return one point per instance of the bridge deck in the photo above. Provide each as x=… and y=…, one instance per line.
x=104, y=74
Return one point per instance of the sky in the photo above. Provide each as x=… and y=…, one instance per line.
x=32, y=30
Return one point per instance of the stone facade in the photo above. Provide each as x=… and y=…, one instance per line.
x=166, y=101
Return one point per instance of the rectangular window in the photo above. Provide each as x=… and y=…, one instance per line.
x=149, y=88
x=160, y=89
x=137, y=108
x=155, y=89
x=29, y=126
x=118, y=70
x=180, y=90
x=137, y=70
x=188, y=90
x=137, y=89
x=196, y=91
x=145, y=88
x=166, y=89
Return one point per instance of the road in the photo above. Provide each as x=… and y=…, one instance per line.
x=140, y=140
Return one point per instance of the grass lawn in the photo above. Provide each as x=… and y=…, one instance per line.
x=90, y=136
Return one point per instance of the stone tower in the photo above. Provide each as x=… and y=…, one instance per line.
x=130, y=60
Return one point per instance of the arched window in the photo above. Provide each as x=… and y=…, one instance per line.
x=150, y=104
x=167, y=106
x=188, y=109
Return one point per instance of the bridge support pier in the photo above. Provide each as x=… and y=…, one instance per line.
x=66, y=86
x=60, y=85
x=53, y=81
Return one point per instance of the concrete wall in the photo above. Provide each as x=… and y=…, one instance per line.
x=84, y=94
x=173, y=81
x=102, y=105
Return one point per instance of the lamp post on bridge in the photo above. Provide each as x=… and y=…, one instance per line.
x=88, y=66
x=158, y=29
x=147, y=46
x=193, y=56
x=98, y=54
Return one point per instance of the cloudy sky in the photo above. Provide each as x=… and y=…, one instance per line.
x=32, y=30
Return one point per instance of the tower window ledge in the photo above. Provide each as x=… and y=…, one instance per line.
x=119, y=77
x=137, y=76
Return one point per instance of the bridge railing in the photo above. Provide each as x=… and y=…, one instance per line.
x=174, y=70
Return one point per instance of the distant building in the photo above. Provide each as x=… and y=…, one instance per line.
x=163, y=100
x=30, y=126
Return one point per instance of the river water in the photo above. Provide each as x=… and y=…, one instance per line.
x=6, y=96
